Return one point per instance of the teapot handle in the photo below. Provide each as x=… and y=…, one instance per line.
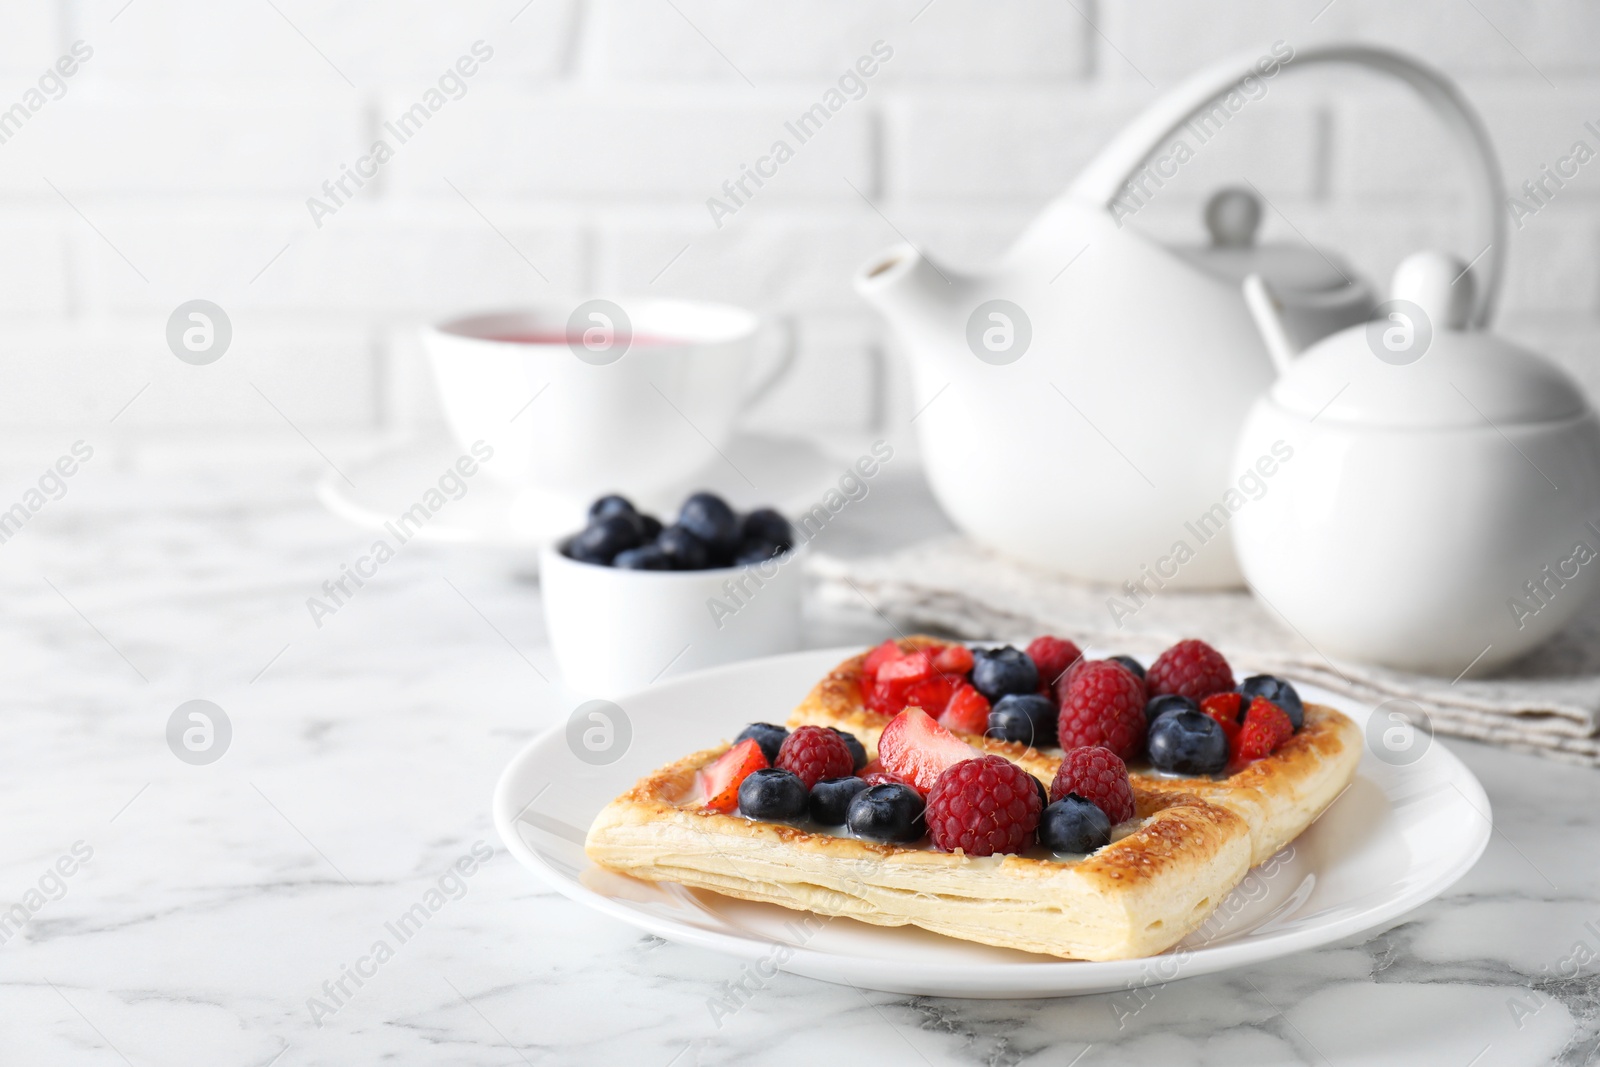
x=1106, y=177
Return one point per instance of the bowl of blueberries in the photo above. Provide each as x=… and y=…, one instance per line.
x=630, y=599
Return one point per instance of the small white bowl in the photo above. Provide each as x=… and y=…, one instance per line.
x=615, y=630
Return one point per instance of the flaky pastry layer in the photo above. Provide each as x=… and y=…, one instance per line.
x=1135, y=897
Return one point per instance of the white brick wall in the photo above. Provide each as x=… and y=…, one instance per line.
x=185, y=148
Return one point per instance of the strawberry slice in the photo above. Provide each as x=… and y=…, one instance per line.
x=1223, y=707
x=931, y=694
x=967, y=712
x=906, y=669
x=878, y=657
x=953, y=659
x=917, y=750
x=720, y=780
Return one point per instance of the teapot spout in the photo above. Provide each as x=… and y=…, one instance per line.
x=1268, y=316
x=913, y=293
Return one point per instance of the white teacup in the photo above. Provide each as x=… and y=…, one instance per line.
x=600, y=396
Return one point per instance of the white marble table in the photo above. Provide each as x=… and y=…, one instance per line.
x=216, y=900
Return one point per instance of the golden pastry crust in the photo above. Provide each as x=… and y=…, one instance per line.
x=1135, y=897
x=1278, y=797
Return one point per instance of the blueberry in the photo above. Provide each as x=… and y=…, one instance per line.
x=1156, y=707
x=768, y=736
x=890, y=812
x=765, y=524
x=831, y=797
x=858, y=751
x=709, y=518
x=1044, y=794
x=650, y=527
x=1187, y=742
x=609, y=505
x=601, y=540
x=773, y=795
x=643, y=558
x=1132, y=664
x=1028, y=718
x=751, y=552
x=1279, y=692
x=686, y=551
x=1074, y=825
x=999, y=671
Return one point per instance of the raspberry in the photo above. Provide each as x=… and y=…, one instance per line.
x=1103, y=705
x=1224, y=707
x=1052, y=655
x=1098, y=776
x=814, y=753
x=1264, y=710
x=1189, y=668
x=967, y=712
x=983, y=806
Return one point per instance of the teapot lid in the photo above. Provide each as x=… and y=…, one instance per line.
x=1418, y=364
x=1232, y=216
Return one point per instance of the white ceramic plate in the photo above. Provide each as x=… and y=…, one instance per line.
x=1399, y=836
x=790, y=475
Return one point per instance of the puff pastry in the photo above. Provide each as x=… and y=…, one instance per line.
x=1135, y=897
x=1277, y=797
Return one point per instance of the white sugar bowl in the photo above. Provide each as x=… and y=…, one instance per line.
x=1439, y=506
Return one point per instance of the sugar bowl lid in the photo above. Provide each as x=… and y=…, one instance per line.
x=1417, y=364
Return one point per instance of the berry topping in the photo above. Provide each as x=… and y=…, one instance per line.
x=1132, y=664
x=1097, y=775
x=831, y=797
x=1026, y=718
x=720, y=780
x=1188, y=742
x=768, y=736
x=933, y=694
x=1190, y=668
x=1264, y=710
x=953, y=659
x=916, y=750
x=1225, y=707
x=998, y=671
x=814, y=753
x=1052, y=655
x=967, y=711
x=1266, y=726
x=891, y=812
x=878, y=657
x=912, y=667
x=858, y=751
x=1156, y=707
x=1279, y=692
x=983, y=806
x=709, y=518
x=1103, y=705
x=1074, y=825
x=774, y=794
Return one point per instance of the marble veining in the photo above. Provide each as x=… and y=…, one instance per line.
x=218, y=901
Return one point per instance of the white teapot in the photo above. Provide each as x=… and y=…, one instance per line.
x=1077, y=406
x=1434, y=497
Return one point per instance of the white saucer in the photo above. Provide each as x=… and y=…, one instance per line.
x=1399, y=836
x=788, y=474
